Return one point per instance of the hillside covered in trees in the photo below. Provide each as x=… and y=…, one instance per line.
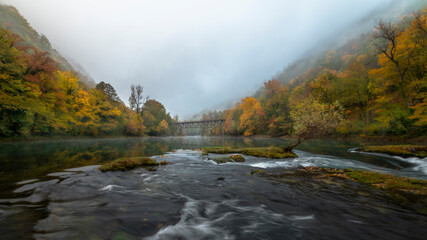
x=41, y=94
x=376, y=82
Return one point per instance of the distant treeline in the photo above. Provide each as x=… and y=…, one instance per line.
x=376, y=81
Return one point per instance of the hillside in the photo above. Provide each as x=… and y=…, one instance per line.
x=41, y=95
x=12, y=20
x=375, y=81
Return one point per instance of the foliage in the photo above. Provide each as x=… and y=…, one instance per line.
x=374, y=84
x=313, y=119
x=250, y=116
x=156, y=119
x=109, y=91
x=11, y=20
x=37, y=99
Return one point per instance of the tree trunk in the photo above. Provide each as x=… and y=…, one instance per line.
x=401, y=88
x=289, y=148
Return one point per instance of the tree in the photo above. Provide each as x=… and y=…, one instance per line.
x=156, y=119
x=314, y=119
x=109, y=91
x=251, y=117
x=386, y=41
x=136, y=98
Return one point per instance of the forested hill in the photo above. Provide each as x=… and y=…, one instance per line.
x=397, y=11
x=376, y=82
x=13, y=21
x=41, y=95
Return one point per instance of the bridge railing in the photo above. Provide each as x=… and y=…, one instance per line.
x=200, y=123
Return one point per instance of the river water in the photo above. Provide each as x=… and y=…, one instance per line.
x=53, y=190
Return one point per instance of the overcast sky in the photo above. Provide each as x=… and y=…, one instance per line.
x=189, y=55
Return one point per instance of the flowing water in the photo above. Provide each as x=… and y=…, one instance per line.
x=53, y=190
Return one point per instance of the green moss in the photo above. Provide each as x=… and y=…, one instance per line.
x=123, y=164
x=388, y=182
x=230, y=158
x=221, y=160
x=222, y=150
x=237, y=158
x=400, y=189
x=399, y=150
x=268, y=152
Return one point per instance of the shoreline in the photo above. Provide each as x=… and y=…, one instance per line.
x=385, y=140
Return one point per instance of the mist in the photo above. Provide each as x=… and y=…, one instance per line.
x=189, y=55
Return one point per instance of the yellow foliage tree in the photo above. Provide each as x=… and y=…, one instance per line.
x=251, y=117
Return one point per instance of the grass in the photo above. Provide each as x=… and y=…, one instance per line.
x=268, y=152
x=399, y=150
x=123, y=164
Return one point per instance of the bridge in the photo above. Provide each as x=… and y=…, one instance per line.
x=201, y=124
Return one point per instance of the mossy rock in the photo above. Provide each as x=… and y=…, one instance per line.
x=237, y=158
x=230, y=158
x=204, y=152
x=221, y=160
x=399, y=150
x=401, y=189
x=222, y=150
x=123, y=164
x=268, y=152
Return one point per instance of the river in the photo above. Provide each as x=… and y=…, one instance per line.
x=53, y=190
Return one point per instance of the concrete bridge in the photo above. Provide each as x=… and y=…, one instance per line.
x=201, y=124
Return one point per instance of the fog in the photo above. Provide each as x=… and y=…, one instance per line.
x=189, y=55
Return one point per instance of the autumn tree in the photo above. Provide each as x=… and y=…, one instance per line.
x=156, y=119
x=252, y=116
x=232, y=120
x=136, y=98
x=108, y=91
x=313, y=119
x=386, y=41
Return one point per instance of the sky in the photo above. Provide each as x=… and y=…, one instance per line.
x=189, y=55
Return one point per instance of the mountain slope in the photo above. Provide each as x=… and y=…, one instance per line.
x=12, y=20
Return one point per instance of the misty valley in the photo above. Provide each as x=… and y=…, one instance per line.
x=213, y=119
